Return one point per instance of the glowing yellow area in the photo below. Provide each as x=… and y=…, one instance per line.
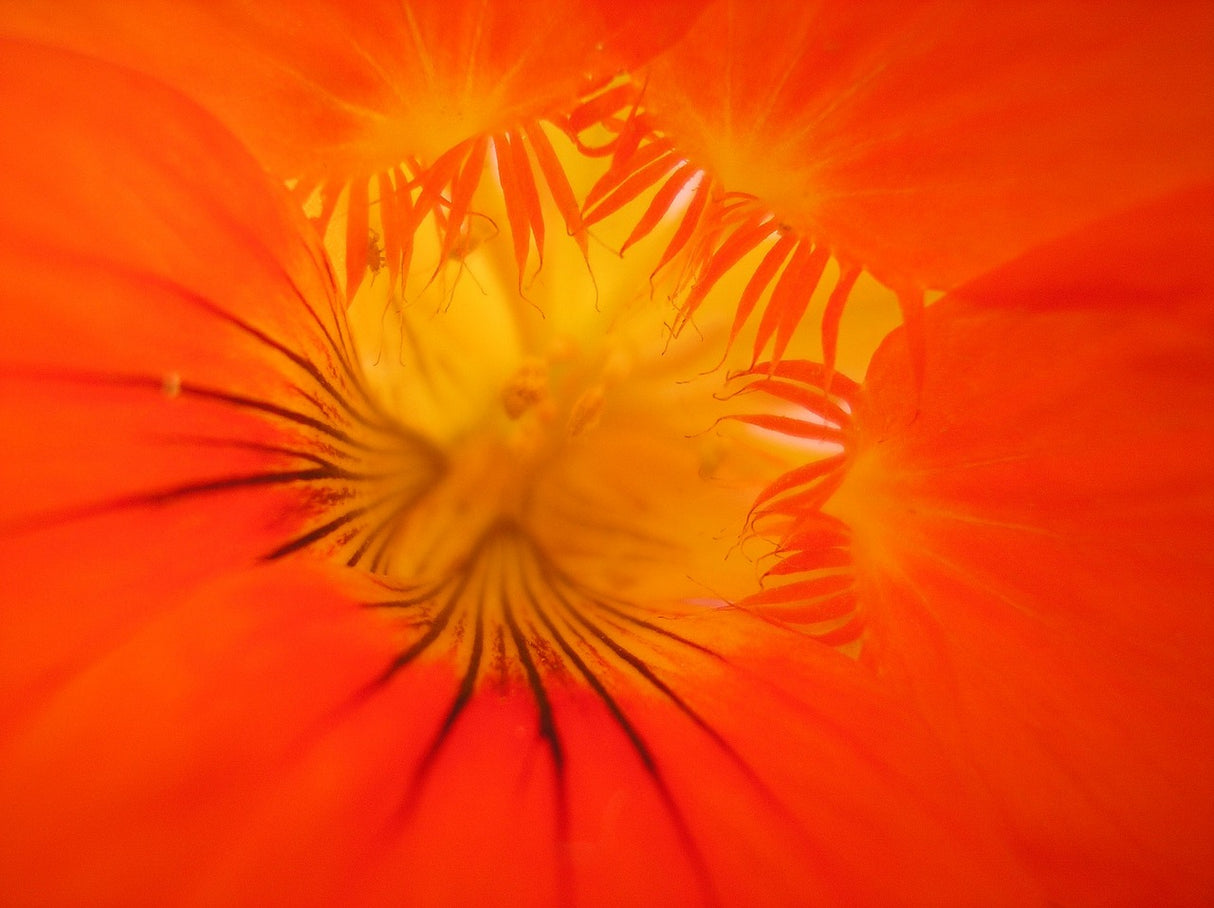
x=567, y=411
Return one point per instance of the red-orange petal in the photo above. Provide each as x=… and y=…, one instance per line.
x=336, y=95
x=930, y=141
x=173, y=372
x=162, y=763
x=1032, y=529
x=322, y=87
x=238, y=749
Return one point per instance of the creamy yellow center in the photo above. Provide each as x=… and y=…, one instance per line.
x=565, y=412
x=572, y=423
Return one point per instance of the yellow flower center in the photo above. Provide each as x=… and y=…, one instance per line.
x=566, y=413
x=573, y=430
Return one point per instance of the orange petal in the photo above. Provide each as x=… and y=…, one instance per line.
x=321, y=86
x=240, y=748
x=334, y=95
x=161, y=765
x=175, y=384
x=930, y=141
x=1032, y=533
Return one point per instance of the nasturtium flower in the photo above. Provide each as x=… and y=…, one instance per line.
x=366, y=540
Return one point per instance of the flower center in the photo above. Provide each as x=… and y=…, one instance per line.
x=566, y=413
x=570, y=421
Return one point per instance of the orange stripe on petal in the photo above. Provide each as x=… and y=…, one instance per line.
x=804, y=601
x=834, y=312
x=357, y=236
x=799, y=477
x=391, y=219
x=813, y=375
x=435, y=179
x=516, y=210
x=790, y=298
x=688, y=226
x=807, y=561
x=632, y=187
x=807, y=398
x=660, y=205
x=464, y=187
x=529, y=198
x=758, y=282
x=794, y=428
x=602, y=106
x=740, y=241
x=405, y=218
x=632, y=176
x=558, y=183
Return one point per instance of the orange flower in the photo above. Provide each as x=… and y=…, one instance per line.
x=317, y=604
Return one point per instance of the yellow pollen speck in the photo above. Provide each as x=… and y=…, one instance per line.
x=528, y=387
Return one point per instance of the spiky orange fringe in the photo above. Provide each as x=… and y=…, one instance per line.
x=716, y=231
x=814, y=582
